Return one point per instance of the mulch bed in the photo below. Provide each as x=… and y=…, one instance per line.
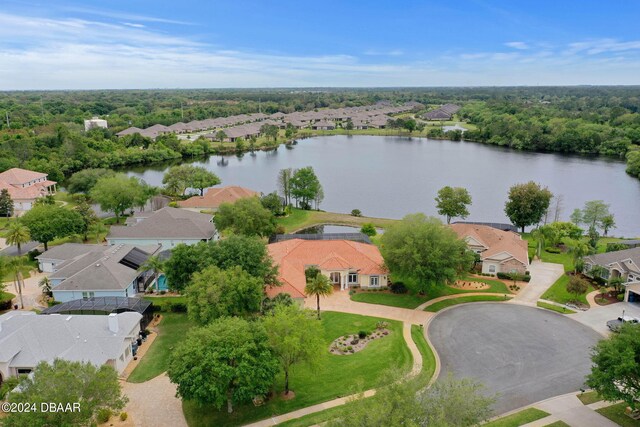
x=350, y=344
x=606, y=299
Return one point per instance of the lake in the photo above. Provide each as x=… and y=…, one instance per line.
x=390, y=177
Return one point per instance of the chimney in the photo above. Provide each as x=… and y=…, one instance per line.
x=113, y=323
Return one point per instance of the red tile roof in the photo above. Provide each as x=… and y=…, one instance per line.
x=17, y=176
x=214, y=197
x=14, y=178
x=294, y=256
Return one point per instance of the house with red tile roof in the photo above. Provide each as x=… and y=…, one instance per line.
x=500, y=251
x=214, y=197
x=347, y=264
x=25, y=186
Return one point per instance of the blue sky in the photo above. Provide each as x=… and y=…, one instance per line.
x=186, y=44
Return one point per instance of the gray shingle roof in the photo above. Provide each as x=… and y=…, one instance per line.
x=620, y=257
x=168, y=223
x=69, y=250
x=27, y=338
x=98, y=270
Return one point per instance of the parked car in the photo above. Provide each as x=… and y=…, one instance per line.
x=615, y=324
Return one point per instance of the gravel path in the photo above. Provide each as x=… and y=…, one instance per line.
x=154, y=403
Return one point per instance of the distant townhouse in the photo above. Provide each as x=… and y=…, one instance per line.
x=25, y=187
x=166, y=227
x=500, y=251
x=27, y=339
x=624, y=264
x=346, y=263
x=323, y=125
x=216, y=196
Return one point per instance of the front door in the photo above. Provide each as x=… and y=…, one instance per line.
x=335, y=278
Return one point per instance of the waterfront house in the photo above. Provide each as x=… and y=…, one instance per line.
x=25, y=187
x=27, y=339
x=500, y=251
x=624, y=264
x=346, y=263
x=323, y=125
x=101, y=271
x=167, y=227
x=215, y=196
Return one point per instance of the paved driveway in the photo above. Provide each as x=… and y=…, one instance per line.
x=523, y=353
x=543, y=275
x=596, y=317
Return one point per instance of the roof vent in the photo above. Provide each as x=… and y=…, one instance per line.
x=98, y=265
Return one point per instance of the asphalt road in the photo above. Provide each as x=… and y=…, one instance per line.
x=522, y=353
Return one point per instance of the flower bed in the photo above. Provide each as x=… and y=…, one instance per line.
x=351, y=344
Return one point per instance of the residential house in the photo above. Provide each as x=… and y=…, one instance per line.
x=500, y=251
x=166, y=227
x=215, y=196
x=27, y=339
x=323, y=125
x=102, y=271
x=624, y=264
x=346, y=263
x=25, y=187
x=95, y=122
x=129, y=131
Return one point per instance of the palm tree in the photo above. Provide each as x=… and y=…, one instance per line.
x=319, y=286
x=45, y=284
x=17, y=235
x=16, y=264
x=578, y=249
x=155, y=264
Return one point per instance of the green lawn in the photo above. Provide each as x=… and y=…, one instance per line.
x=5, y=296
x=589, y=397
x=63, y=196
x=334, y=375
x=558, y=423
x=412, y=301
x=469, y=298
x=299, y=219
x=420, y=381
x=555, y=308
x=519, y=418
x=171, y=330
x=616, y=414
x=558, y=292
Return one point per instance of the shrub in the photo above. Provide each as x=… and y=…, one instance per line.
x=8, y=385
x=280, y=230
x=382, y=324
x=362, y=334
x=398, y=288
x=103, y=415
x=349, y=348
x=552, y=250
x=123, y=416
x=356, y=212
x=163, y=292
x=355, y=341
x=178, y=307
x=368, y=229
x=173, y=204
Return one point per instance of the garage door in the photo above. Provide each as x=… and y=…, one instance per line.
x=634, y=297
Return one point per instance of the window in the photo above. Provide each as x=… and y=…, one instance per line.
x=373, y=281
x=87, y=295
x=127, y=351
x=24, y=371
x=353, y=278
x=335, y=277
x=492, y=269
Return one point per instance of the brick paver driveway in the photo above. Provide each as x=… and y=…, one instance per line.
x=523, y=353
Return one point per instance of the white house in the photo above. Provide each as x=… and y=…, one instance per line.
x=95, y=122
x=27, y=339
x=167, y=227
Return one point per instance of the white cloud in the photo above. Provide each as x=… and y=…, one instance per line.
x=517, y=45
